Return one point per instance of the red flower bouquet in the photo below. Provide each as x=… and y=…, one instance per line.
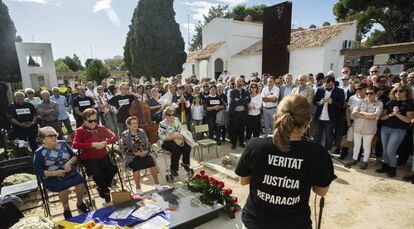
x=213, y=192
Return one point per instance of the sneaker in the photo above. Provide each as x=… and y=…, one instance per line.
x=139, y=191
x=83, y=208
x=67, y=214
x=174, y=173
x=363, y=165
x=186, y=167
x=349, y=164
x=159, y=187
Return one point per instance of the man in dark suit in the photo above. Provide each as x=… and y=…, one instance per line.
x=328, y=101
x=238, y=100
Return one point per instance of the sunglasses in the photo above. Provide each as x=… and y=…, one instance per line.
x=374, y=71
x=51, y=136
x=29, y=92
x=92, y=121
x=205, y=86
x=369, y=93
x=170, y=114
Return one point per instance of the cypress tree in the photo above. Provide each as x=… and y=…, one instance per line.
x=154, y=46
x=9, y=65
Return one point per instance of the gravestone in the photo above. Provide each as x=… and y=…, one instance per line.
x=276, y=38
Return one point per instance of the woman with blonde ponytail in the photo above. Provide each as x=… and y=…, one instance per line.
x=281, y=171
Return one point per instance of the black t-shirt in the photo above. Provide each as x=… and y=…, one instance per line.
x=404, y=106
x=280, y=183
x=122, y=103
x=211, y=101
x=83, y=103
x=22, y=113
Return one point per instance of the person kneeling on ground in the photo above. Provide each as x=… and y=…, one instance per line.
x=135, y=146
x=92, y=140
x=54, y=164
x=171, y=140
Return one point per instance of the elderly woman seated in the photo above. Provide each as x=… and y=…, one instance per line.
x=135, y=146
x=172, y=140
x=54, y=164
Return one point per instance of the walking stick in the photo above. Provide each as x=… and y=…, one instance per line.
x=321, y=204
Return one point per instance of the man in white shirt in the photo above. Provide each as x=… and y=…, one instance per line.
x=90, y=92
x=224, y=75
x=270, y=96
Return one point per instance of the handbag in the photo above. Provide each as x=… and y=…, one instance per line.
x=350, y=134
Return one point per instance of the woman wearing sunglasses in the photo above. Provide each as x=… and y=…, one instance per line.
x=366, y=114
x=172, y=140
x=54, y=165
x=396, y=117
x=92, y=140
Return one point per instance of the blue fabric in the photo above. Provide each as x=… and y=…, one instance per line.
x=391, y=138
x=52, y=159
x=61, y=105
x=328, y=128
x=101, y=216
x=55, y=185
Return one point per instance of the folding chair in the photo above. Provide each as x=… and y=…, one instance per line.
x=22, y=165
x=204, y=142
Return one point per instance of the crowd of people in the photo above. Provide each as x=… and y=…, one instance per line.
x=349, y=112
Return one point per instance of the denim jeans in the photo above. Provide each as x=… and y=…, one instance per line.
x=328, y=128
x=268, y=119
x=391, y=138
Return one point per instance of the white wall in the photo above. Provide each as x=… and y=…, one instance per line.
x=187, y=69
x=332, y=50
x=304, y=61
x=245, y=65
x=47, y=69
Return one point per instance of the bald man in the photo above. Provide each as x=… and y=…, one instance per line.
x=23, y=117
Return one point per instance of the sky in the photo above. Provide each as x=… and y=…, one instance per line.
x=98, y=28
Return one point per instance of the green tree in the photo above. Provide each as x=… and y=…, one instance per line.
x=241, y=11
x=96, y=71
x=9, y=65
x=61, y=66
x=395, y=16
x=73, y=63
x=154, y=45
x=219, y=11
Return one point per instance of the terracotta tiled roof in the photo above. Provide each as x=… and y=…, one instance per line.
x=317, y=37
x=203, y=53
x=192, y=55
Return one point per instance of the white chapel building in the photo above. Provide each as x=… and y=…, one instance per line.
x=236, y=46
